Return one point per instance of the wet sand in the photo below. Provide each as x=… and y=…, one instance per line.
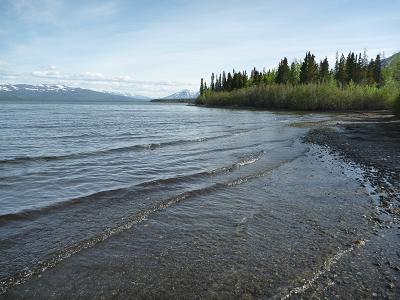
x=372, y=141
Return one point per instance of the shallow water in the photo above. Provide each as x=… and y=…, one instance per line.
x=167, y=200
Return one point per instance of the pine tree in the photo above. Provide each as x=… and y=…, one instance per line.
x=324, y=71
x=337, y=64
x=218, y=85
x=378, y=77
x=309, y=69
x=360, y=70
x=212, y=85
x=282, y=76
x=340, y=75
x=224, y=85
x=370, y=73
x=229, y=82
x=294, y=73
x=202, y=87
x=350, y=67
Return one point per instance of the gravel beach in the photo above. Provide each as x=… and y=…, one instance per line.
x=372, y=142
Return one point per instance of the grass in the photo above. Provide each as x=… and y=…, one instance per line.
x=315, y=97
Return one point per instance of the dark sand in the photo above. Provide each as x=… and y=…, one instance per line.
x=372, y=141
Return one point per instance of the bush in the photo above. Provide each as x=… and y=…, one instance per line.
x=317, y=97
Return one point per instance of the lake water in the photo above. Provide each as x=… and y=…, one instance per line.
x=151, y=200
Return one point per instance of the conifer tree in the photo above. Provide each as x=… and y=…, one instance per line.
x=202, y=87
x=224, y=85
x=218, y=86
x=282, y=76
x=341, y=76
x=324, y=71
x=294, y=73
x=309, y=69
x=350, y=67
x=360, y=70
x=212, y=85
x=371, y=73
x=229, y=82
x=378, y=77
x=336, y=70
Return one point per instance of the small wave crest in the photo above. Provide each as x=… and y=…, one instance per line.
x=55, y=258
x=33, y=213
x=137, y=147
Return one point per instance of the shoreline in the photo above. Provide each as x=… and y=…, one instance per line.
x=296, y=111
x=371, y=142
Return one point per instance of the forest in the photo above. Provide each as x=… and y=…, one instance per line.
x=353, y=83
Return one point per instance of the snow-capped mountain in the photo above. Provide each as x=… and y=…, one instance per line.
x=48, y=92
x=134, y=96
x=184, y=94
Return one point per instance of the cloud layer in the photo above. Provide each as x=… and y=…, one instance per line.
x=159, y=47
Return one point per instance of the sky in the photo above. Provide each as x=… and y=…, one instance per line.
x=156, y=48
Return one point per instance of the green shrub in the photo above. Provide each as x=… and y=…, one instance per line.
x=318, y=97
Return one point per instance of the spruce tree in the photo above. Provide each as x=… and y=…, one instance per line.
x=294, y=73
x=282, y=76
x=350, y=67
x=229, y=82
x=224, y=85
x=378, y=77
x=324, y=71
x=309, y=69
x=341, y=76
x=370, y=73
x=202, y=87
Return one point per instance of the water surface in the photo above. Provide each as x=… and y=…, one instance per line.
x=166, y=200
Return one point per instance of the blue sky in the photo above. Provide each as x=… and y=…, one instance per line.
x=158, y=47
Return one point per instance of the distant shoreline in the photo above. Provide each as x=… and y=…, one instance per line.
x=189, y=101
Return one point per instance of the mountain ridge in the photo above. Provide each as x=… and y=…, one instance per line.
x=183, y=94
x=57, y=92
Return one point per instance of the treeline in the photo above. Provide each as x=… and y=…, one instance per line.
x=354, y=69
x=353, y=83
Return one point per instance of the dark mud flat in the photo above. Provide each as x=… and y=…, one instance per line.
x=372, y=141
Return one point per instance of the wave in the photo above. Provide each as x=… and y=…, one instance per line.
x=137, y=147
x=55, y=258
x=34, y=213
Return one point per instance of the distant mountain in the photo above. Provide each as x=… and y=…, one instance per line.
x=395, y=58
x=134, y=96
x=47, y=92
x=184, y=94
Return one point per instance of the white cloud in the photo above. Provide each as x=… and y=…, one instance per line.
x=96, y=81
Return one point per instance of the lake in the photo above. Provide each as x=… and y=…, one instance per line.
x=156, y=200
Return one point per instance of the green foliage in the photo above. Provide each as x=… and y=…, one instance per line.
x=309, y=69
x=392, y=70
x=324, y=72
x=282, y=76
x=340, y=70
x=294, y=73
x=378, y=77
x=201, y=87
x=317, y=97
x=353, y=84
